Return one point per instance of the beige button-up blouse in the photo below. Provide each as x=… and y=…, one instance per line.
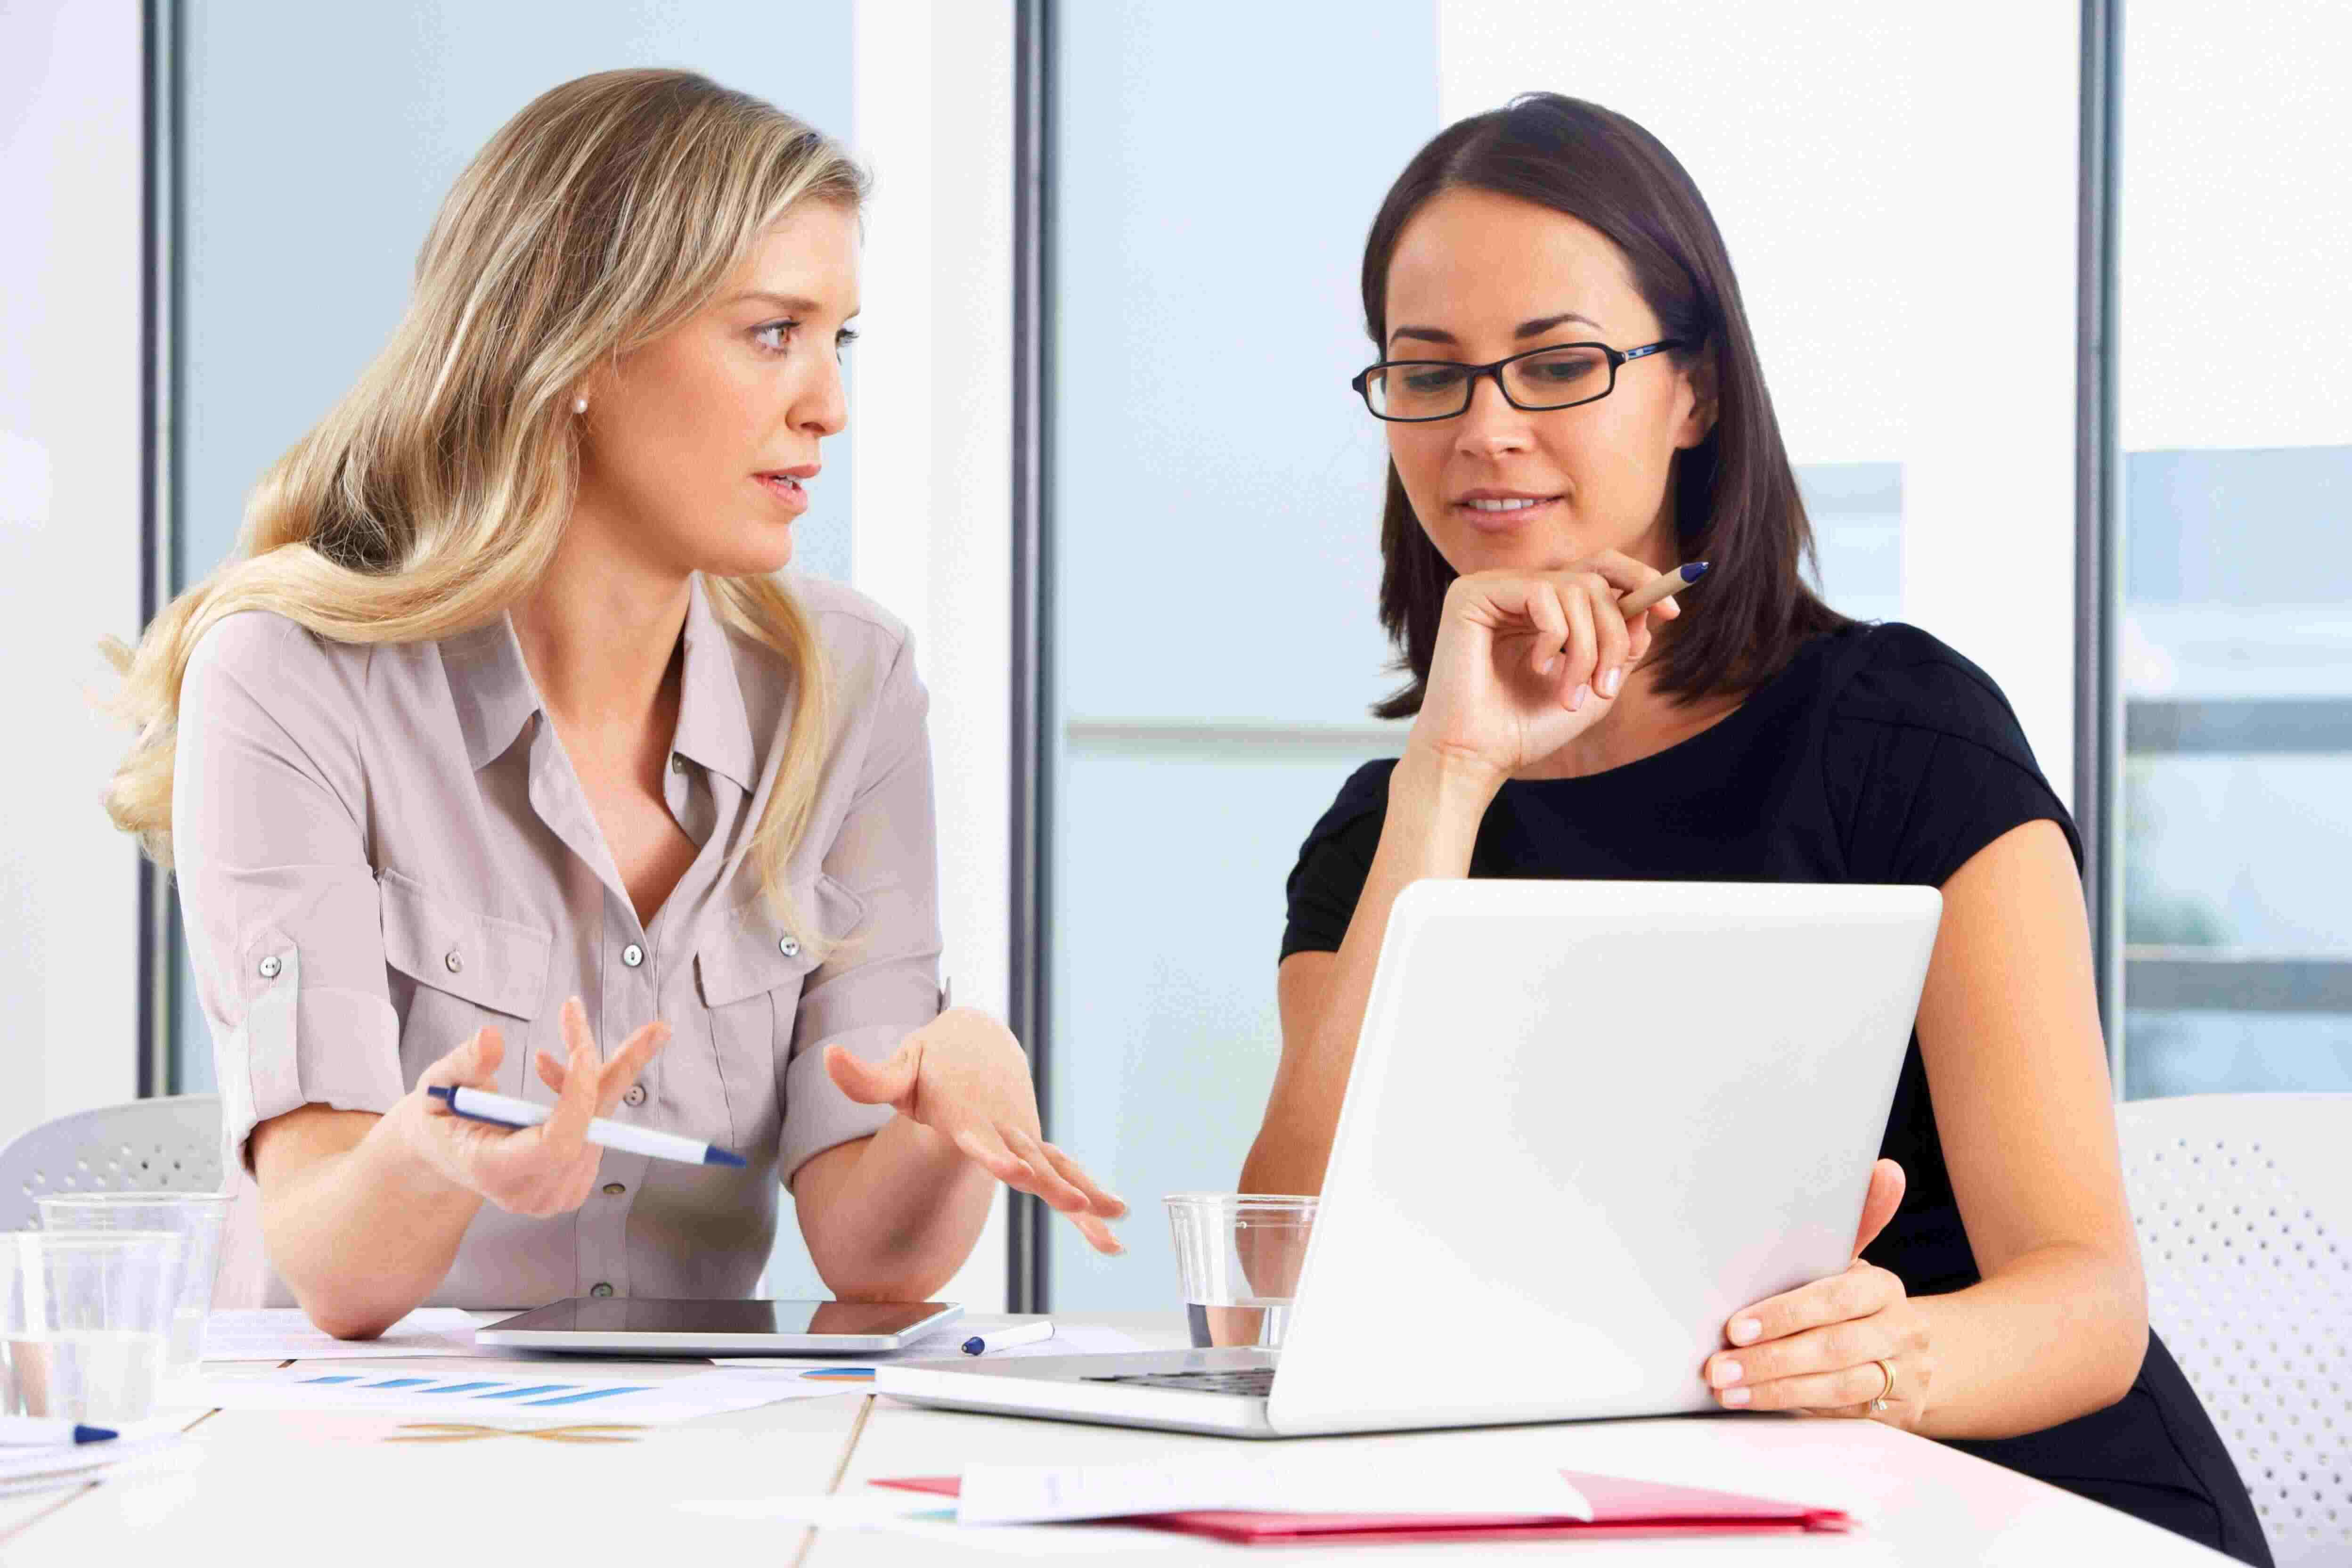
x=381, y=849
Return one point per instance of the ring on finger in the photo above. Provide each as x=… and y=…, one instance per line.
x=1887, y=1370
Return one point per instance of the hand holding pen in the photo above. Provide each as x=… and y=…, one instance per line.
x=538, y=1170
x=1526, y=661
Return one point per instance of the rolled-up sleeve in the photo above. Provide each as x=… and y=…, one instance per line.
x=880, y=882
x=277, y=893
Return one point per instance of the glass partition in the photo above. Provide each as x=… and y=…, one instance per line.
x=308, y=187
x=1216, y=486
x=1216, y=495
x=319, y=146
x=2235, y=322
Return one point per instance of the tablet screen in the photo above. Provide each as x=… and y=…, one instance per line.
x=640, y=1316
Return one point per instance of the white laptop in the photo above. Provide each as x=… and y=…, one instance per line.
x=1587, y=1121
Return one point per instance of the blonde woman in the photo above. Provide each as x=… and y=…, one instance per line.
x=501, y=756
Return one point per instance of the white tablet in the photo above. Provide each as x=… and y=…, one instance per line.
x=618, y=1325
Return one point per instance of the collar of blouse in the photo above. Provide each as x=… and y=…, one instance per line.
x=495, y=694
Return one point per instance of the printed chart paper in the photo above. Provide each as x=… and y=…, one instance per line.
x=553, y=1394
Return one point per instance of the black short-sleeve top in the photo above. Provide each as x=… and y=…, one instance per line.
x=1877, y=755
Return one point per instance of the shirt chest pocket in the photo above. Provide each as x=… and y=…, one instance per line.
x=751, y=969
x=454, y=969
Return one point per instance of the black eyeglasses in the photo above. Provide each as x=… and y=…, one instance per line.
x=1408, y=391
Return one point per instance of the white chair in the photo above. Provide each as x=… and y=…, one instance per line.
x=148, y=1145
x=2243, y=1203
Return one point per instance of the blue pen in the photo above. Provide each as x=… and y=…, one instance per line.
x=47, y=1431
x=1002, y=1339
x=502, y=1111
x=1664, y=586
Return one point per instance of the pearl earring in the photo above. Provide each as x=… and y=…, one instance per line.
x=579, y=405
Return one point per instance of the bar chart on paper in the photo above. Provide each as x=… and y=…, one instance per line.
x=536, y=1392
x=529, y=1394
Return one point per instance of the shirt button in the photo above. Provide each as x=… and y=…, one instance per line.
x=272, y=968
x=636, y=1095
x=677, y=763
x=790, y=947
x=454, y=961
x=614, y=1189
x=633, y=956
x=600, y=1289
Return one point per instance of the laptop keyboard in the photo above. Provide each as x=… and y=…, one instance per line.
x=1255, y=1382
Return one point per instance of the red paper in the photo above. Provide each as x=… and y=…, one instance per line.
x=1620, y=1506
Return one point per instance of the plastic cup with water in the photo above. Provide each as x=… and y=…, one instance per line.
x=85, y=1316
x=1239, y=1255
x=198, y=1218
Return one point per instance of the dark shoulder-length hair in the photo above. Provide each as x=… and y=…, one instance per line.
x=1737, y=505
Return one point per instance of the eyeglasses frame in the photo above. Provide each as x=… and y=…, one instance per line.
x=1363, y=381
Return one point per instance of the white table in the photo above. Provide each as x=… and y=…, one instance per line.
x=321, y=1490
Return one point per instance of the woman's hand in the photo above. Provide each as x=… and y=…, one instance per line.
x=1815, y=1349
x=550, y=1169
x=966, y=1077
x=1526, y=662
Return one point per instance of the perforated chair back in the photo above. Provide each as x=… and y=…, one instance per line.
x=2243, y=1203
x=149, y=1145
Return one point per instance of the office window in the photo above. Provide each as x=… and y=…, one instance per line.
x=1213, y=640
x=1907, y=260
x=301, y=251
x=2235, y=322
x=301, y=248
x=1217, y=503
x=1856, y=510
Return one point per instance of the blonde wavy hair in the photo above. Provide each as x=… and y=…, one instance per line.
x=431, y=499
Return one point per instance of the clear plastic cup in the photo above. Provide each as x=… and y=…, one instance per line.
x=85, y=1316
x=199, y=1218
x=1239, y=1255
